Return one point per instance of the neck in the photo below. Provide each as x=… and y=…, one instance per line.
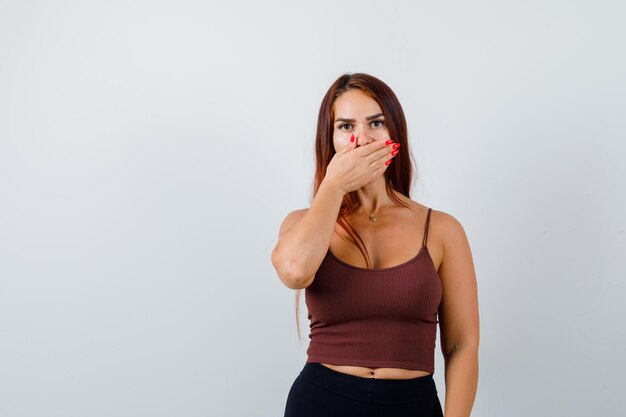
x=373, y=197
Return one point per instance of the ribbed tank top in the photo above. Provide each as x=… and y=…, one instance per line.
x=377, y=318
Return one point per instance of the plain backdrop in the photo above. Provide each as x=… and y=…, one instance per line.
x=149, y=151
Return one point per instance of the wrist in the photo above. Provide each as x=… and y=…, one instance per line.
x=332, y=187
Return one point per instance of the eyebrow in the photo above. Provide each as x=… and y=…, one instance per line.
x=367, y=118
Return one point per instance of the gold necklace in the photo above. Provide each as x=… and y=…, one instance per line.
x=372, y=216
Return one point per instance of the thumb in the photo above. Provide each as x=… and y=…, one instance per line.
x=350, y=145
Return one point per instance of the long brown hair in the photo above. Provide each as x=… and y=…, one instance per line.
x=398, y=176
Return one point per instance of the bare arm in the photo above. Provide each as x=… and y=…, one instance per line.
x=459, y=321
x=304, y=237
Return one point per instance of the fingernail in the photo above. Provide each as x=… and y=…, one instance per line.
x=395, y=146
x=388, y=162
x=388, y=142
x=352, y=138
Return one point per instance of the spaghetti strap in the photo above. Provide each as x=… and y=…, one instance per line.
x=426, y=227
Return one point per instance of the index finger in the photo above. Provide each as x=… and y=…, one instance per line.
x=374, y=146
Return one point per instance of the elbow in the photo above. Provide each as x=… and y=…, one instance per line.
x=295, y=281
x=473, y=346
x=298, y=283
x=289, y=272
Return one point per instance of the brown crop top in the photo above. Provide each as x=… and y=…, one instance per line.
x=376, y=318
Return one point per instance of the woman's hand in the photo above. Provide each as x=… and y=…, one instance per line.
x=351, y=168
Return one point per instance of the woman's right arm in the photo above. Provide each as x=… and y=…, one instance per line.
x=304, y=237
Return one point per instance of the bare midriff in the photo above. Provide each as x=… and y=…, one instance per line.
x=380, y=373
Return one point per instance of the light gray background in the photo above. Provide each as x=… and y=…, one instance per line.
x=149, y=151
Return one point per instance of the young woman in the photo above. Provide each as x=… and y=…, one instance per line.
x=380, y=271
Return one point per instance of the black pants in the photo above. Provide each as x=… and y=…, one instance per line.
x=319, y=391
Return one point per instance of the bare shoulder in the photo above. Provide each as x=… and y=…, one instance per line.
x=450, y=230
x=449, y=235
x=291, y=220
x=446, y=222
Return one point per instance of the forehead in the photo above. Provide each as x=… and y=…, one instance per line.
x=355, y=103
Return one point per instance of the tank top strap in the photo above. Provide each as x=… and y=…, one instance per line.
x=426, y=227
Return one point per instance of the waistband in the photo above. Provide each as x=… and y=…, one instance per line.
x=371, y=390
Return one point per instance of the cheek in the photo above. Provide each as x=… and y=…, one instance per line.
x=340, y=138
x=336, y=142
x=382, y=133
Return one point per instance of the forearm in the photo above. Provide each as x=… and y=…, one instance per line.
x=461, y=375
x=300, y=251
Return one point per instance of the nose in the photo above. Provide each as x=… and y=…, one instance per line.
x=362, y=138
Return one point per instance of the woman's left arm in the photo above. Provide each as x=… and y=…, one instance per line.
x=458, y=319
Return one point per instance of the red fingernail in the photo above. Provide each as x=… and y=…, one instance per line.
x=388, y=142
x=352, y=138
x=388, y=162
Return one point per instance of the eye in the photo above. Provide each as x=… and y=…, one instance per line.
x=341, y=126
x=377, y=121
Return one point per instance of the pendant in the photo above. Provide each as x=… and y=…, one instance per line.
x=372, y=218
